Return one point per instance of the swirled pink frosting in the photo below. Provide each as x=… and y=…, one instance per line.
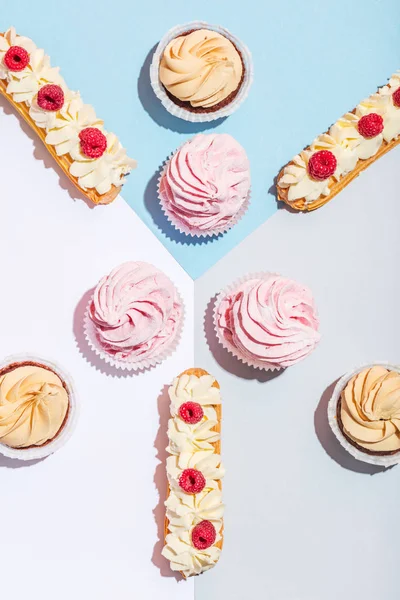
x=269, y=321
x=136, y=311
x=206, y=183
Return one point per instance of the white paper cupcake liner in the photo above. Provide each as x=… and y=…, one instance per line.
x=256, y=364
x=383, y=461
x=187, y=115
x=186, y=229
x=132, y=365
x=68, y=429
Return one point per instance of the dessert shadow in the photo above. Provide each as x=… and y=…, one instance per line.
x=332, y=446
x=161, y=483
x=41, y=153
x=15, y=463
x=227, y=361
x=156, y=110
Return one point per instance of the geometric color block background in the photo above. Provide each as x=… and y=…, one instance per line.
x=304, y=521
x=313, y=61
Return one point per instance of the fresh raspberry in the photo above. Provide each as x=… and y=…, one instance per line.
x=192, y=481
x=203, y=535
x=16, y=58
x=93, y=142
x=322, y=165
x=50, y=97
x=370, y=125
x=396, y=97
x=191, y=412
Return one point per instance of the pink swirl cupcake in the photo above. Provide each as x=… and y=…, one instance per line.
x=204, y=188
x=134, y=319
x=267, y=321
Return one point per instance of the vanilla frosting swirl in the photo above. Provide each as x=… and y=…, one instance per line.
x=190, y=388
x=186, y=510
x=202, y=68
x=269, y=321
x=206, y=183
x=301, y=185
x=187, y=559
x=345, y=131
x=136, y=311
x=33, y=406
x=192, y=446
x=206, y=461
x=70, y=120
x=184, y=437
x=346, y=143
x=64, y=126
x=102, y=173
x=370, y=409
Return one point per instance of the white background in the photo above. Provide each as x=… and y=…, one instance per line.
x=87, y=521
x=304, y=520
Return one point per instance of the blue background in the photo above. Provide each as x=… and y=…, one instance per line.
x=313, y=61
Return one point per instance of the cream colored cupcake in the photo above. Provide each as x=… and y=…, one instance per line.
x=37, y=408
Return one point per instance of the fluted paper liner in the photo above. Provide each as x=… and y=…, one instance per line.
x=383, y=461
x=135, y=365
x=186, y=229
x=64, y=435
x=257, y=364
x=183, y=113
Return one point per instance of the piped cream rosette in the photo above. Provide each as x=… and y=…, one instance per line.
x=194, y=508
x=337, y=157
x=93, y=159
x=39, y=407
x=364, y=413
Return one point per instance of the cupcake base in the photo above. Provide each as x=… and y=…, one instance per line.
x=183, y=110
x=69, y=423
x=382, y=459
x=209, y=109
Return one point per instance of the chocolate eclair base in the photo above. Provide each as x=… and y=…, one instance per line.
x=29, y=363
x=216, y=107
x=352, y=442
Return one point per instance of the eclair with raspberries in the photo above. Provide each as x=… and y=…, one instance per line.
x=335, y=158
x=92, y=158
x=194, y=508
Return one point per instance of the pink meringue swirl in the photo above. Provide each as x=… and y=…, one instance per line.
x=206, y=184
x=268, y=321
x=136, y=312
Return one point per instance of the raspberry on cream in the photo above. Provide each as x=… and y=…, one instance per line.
x=33, y=405
x=194, y=508
x=11, y=39
x=370, y=130
x=205, y=186
x=370, y=410
x=61, y=120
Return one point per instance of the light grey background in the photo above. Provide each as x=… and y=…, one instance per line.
x=304, y=520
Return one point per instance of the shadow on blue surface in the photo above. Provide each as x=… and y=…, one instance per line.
x=155, y=109
x=153, y=206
